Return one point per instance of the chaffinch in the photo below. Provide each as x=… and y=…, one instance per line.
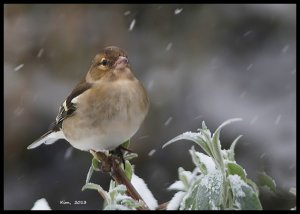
x=104, y=110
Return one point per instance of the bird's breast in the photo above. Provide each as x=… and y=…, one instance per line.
x=107, y=115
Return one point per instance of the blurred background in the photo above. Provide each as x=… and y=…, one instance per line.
x=197, y=62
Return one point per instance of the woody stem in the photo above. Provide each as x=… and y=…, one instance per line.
x=112, y=166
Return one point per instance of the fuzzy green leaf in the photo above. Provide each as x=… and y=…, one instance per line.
x=232, y=148
x=205, y=193
x=235, y=169
x=128, y=170
x=244, y=196
x=266, y=180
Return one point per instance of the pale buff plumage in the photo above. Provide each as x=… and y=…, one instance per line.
x=110, y=107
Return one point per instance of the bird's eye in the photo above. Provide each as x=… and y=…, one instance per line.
x=104, y=62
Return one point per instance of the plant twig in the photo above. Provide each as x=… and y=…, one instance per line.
x=111, y=165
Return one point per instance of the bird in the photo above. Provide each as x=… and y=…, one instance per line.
x=104, y=110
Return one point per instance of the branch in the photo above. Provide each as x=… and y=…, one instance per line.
x=111, y=165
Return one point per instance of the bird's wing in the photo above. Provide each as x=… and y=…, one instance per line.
x=69, y=105
x=65, y=110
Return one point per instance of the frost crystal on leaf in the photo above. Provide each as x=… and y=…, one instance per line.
x=144, y=191
x=175, y=201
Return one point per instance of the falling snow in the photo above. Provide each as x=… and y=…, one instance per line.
x=18, y=67
x=243, y=94
x=262, y=155
x=151, y=152
x=249, y=67
x=177, y=11
x=169, y=46
x=278, y=118
x=150, y=85
x=293, y=71
x=285, y=49
x=253, y=120
x=247, y=33
x=40, y=53
x=198, y=117
x=168, y=121
x=126, y=13
x=292, y=167
x=143, y=137
x=18, y=111
x=132, y=25
x=68, y=152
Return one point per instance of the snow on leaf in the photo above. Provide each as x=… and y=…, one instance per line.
x=41, y=204
x=204, y=162
x=144, y=191
x=192, y=136
x=174, y=203
x=235, y=169
x=244, y=196
x=177, y=185
x=205, y=193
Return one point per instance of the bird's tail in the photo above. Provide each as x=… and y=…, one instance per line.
x=47, y=138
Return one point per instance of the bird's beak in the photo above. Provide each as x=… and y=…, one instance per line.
x=121, y=62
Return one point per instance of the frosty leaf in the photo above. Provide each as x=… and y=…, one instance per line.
x=41, y=204
x=98, y=188
x=128, y=170
x=203, y=125
x=227, y=122
x=129, y=156
x=202, y=161
x=175, y=201
x=244, y=196
x=253, y=185
x=205, y=193
x=89, y=175
x=126, y=144
x=266, y=180
x=142, y=188
x=235, y=169
x=216, y=146
x=95, y=164
x=232, y=147
x=177, y=185
x=191, y=136
x=185, y=177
